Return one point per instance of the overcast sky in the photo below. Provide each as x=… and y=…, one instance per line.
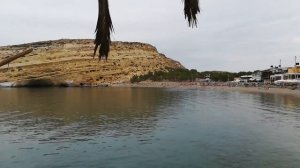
x=232, y=35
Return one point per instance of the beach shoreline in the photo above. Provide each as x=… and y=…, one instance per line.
x=223, y=87
x=268, y=89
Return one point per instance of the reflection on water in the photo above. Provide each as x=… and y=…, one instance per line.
x=75, y=112
x=144, y=127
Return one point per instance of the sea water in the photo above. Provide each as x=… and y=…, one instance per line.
x=147, y=127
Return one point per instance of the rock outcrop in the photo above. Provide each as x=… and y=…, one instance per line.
x=70, y=62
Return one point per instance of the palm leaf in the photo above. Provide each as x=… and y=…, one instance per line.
x=191, y=9
x=103, y=29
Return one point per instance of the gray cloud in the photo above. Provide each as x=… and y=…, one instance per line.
x=232, y=35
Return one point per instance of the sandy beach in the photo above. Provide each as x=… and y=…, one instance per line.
x=195, y=85
x=177, y=85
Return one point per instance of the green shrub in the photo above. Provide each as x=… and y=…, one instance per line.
x=180, y=75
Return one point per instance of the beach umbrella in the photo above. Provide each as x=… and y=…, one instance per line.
x=105, y=27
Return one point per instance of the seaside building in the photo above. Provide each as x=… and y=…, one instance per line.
x=274, y=73
x=292, y=76
x=206, y=79
x=266, y=74
x=257, y=76
x=246, y=78
x=295, y=69
x=294, y=73
x=278, y=77
x=236, y=80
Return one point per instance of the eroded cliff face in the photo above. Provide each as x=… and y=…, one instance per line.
x=71, y=60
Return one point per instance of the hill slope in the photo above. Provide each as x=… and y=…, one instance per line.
x=71, y=60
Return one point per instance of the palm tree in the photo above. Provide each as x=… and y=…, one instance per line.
x=105, y=27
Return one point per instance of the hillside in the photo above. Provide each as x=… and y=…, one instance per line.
x=71, y=61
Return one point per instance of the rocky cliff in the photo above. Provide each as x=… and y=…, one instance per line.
x=71, y=61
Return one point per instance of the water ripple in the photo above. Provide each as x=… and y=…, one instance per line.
x=182, y=128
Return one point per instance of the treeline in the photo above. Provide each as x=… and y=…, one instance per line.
x=220, y=76
x=180, y=75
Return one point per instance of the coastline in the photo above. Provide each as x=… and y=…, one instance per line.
x=219, y=86
x=175, y=85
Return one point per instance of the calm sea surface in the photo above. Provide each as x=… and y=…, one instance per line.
x=147, y=128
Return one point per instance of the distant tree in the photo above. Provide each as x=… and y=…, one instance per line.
x=180, y=75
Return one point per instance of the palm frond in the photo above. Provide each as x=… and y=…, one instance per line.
x=103, y=29
x=191, y=9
